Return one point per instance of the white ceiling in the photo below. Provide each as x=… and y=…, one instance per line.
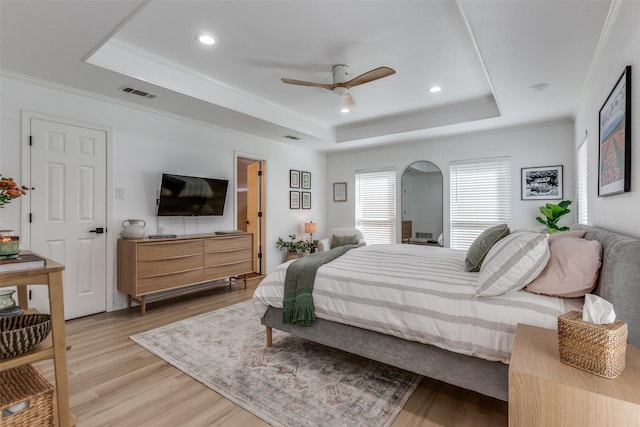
x=484, y=54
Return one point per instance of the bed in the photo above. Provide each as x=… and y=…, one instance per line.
x=471, y=366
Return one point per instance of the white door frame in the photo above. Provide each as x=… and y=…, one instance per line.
x=25, y=177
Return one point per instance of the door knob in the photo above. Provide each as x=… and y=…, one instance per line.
x=98, y=230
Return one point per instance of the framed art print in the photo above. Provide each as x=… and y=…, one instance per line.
x=339, y=191
x=294, y=200
x=614, y=148
x=306, y=200
x=294, y=178
x=306, y=180
x=541, y=183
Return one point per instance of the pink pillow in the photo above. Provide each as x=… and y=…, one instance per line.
x=572, y=270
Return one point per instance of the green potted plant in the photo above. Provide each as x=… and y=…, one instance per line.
x=553, y=213
x=293, y=246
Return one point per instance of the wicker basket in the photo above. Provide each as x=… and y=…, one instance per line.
x=26, y=398
x=598, y=349
x=19, y=334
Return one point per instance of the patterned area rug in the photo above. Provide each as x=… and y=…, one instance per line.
x=293, y=383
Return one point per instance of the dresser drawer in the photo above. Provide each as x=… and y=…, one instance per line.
x=164, y=250
x=168, y=281
x=222, y=258
x=220, y=271
x=170, y=265
x=227, y=243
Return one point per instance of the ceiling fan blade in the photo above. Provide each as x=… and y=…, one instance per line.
x=369, y=76
x=304, y=83
x=347, y=100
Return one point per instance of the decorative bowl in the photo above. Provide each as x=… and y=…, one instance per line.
x=19, y=334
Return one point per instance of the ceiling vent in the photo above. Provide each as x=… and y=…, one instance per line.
x=291, y=137
x=138, y=92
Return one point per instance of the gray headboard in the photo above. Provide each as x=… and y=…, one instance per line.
x=619, y=281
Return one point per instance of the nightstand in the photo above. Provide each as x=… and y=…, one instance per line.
x=543, y=391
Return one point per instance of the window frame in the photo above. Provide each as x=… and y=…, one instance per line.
x=469, y=214
x=380, y=227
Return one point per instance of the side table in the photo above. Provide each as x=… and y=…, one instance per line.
x=54, y=347
x=543, y=391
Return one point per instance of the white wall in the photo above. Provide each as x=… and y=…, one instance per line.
x=618, y=212
x=542, y=145
x=145, y=144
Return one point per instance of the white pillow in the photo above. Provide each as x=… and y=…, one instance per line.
x=512, y=263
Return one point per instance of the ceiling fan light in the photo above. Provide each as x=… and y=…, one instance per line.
x=206, y=39
x=344, y=110
x=435, y=89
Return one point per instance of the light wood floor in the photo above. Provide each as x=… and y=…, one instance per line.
x=115, y=382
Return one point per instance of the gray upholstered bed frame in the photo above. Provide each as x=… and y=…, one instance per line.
x=619, y=283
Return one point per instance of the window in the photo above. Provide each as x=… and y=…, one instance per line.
x=480, y=197
x=583, y=210
x=376, y=205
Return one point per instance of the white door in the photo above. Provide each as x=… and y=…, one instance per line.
x=68, y=208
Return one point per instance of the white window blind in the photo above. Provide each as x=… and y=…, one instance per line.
x=480, y=197
x=583, y=210
x=376, y=205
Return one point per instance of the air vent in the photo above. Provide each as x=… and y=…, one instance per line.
x=291, y=137
x=424, y=235
x=138, y=92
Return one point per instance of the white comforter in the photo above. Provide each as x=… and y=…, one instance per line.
x=418, y=293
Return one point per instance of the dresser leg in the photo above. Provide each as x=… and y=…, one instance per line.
x=143, y=305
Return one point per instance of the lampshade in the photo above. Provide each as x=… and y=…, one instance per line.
x=310, y=227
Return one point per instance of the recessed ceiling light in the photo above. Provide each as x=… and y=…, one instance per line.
x=538, y=87
x=435, y=89
x=205, y=39
x=344, y=110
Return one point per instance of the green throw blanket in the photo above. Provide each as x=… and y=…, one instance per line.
x=297, y=304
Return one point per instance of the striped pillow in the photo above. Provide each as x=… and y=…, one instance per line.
x=512, y=263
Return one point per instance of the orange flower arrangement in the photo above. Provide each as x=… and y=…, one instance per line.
x=10, y=190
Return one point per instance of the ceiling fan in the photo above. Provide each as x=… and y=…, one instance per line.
x=341, y=83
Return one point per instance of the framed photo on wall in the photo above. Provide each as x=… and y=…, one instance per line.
x=294, y=178
x=614, y=147
x=306, y=200
x=294, y=200
x=339, y=191
x=542, y=183
x=306, y=180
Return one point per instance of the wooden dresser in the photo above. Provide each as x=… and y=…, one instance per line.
x=147, y=267
x=407, y=231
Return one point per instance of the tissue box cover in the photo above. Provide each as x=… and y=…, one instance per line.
x=598, y=349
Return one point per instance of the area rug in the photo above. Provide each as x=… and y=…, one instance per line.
x=294, y=383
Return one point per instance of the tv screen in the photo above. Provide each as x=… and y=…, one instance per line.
x=191, y=196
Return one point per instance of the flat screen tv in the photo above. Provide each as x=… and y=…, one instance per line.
x=191, y=196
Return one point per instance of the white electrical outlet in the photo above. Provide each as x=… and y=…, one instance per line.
x=119, y=193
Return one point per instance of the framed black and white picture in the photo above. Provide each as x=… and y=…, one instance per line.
x=294, y=200
x=542, y=183
x=614, y=148
x=294, y=178
x=306, y=180
x=339, y=191
x=306, y=200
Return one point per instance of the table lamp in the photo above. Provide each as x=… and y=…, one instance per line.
x=310, y=227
